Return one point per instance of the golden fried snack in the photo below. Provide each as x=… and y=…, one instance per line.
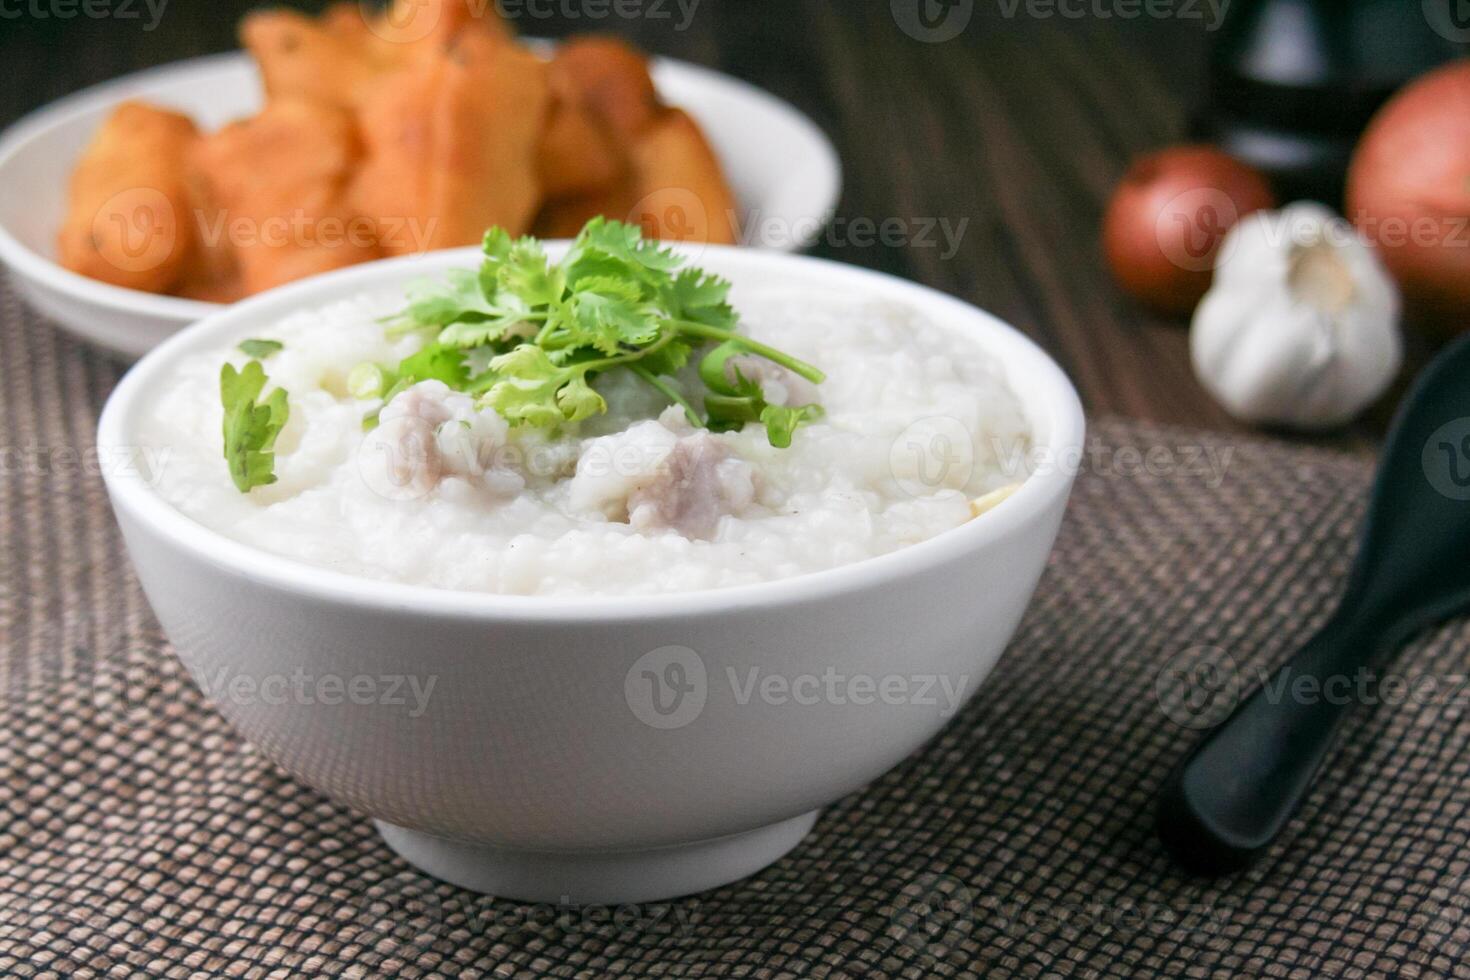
x=452, y=146
x=438, y=22
x=128, y=221
x=682, y=192
x=300, y=58
x=212, y=273
x=564, y=217
x=279, y=180
x=676, y=191
x=579, y=155
x=346, y=19
x=614, y=81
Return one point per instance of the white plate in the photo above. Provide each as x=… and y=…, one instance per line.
x=783, y=169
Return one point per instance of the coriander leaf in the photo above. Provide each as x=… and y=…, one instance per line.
x=781, y=422
x=525, y=392
x=529, y=276
x=606, y=317
x=669, y=359
x=250, y=427
x=528, y=337
x=435, y=362
x=578, y=401
x=626, y=242
x=438, y=303
x=260, y=348
x=496, y=245
x=702, y=298
x=479, y=332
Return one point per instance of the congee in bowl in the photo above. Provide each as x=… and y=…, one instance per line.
x=586, y=491
x=598, y=419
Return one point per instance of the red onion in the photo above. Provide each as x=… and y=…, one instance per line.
x=1409, y=193
x=1168, y=217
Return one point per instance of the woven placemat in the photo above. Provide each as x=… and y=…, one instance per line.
x=141, y=837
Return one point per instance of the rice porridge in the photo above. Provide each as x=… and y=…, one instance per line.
x=916, y=424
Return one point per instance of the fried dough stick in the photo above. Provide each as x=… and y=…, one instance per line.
x=299, y=58
x=279, y=180
x=614, y=80
x=675, y=187
x=682, y=192
x=409, y=27
x=128, y=221
x=452, y=146
x=579, y=155
x=676, y=190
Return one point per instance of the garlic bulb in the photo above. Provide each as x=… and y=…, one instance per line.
x=1301, y=325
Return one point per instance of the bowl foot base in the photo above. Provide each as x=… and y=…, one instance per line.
x=597, y=877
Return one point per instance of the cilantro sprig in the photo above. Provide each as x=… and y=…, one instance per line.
x=528, y=336
x=251, y=425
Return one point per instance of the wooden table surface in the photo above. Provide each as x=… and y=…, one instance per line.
x=1010, y=134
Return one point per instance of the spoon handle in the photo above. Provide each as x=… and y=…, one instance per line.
x=1235, y=792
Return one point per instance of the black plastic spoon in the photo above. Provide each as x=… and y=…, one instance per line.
x=1236, y=791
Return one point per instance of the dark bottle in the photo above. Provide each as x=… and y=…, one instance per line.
x=1293, y=83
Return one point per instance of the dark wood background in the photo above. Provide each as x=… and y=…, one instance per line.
x=1020, y=125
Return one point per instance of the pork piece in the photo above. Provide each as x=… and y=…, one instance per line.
x=129, y=220
x=279, y=181
x=452, y=147
x=429, y=433
x=656, y=479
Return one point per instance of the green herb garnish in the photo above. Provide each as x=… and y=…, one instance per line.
x=528, y=337
x=251, y=426
x=260, y=348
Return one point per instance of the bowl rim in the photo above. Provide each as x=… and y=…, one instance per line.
x=1049, y=400
x=49, y=273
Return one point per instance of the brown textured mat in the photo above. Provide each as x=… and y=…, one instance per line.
x=140, y=837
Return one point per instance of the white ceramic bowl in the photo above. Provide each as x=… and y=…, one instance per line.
x=599, y=749
x=782, y=168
